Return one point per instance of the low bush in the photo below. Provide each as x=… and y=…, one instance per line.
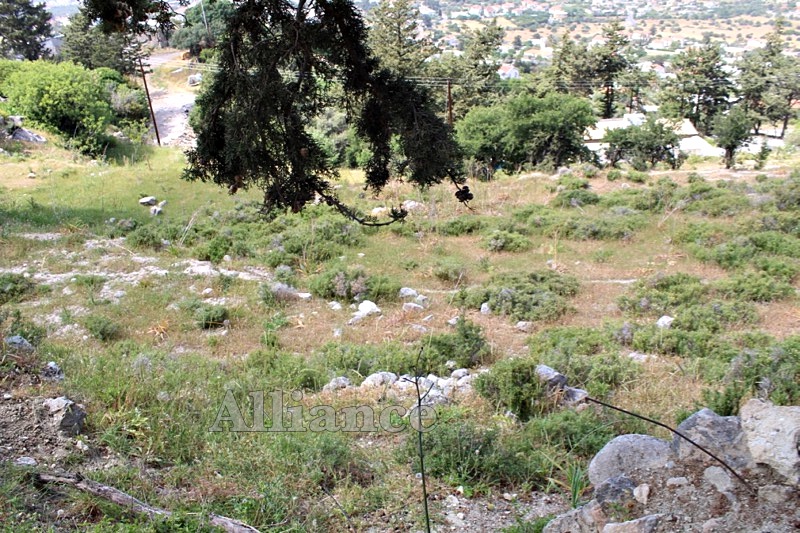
x=754, y=287
x=354, y=284
x=512, y=384
x=102, y=328
x=540, y=295
x=210, y=316
x=464, y=225
x=575, y=198
x=450, y=270
x=662, y=294
x=14, y=288
x=15, y=323
x=506, y=241
x=467, y=347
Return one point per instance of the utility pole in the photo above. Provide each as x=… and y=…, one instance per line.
x=149, y=102
x=449, y=103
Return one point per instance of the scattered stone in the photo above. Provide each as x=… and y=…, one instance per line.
x=772, y=434
x=25, y=461
x=207, y=291
x=194, y=79
x=226, y=258
x=453, y=321
x=524, y=326
x=410, y=307
x=665, y=322
x=485, y=309
x=334, y=306
x=677, y=481
x=421, y=300
x=641, y=493
x=52, y=372
x=337, y=333
x=22, y=134
x=616, y=491
x=68, y=415
x=337, y=383
x=645, y=524
x=419, y=328
x=451, y=501
x=718, y=477
x=638, y=357
x=155, y=210
x=378, y=211
x=412, y=205
x=304, y=296
x=509, y=497
x=148, y=200
x=82, y=446
x=18, y=343
x=459, y=373
x=407, y=292
x=379, y=379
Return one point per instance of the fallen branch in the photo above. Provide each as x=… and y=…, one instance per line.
x=124, y=499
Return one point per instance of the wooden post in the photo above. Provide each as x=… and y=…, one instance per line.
x=149, y=102
x=449, y=103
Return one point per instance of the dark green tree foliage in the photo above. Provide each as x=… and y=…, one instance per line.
x=644, y=146
x=131, y=16
x=537, y=131
x=701, y=87
x=474, y=73
x=769, y=82
x=609, y=63
x=86, y=44
x=24, y=28
x=280, y=66
x=194, y=35
x=393, y=37
x=732, y=130
x=571, y=71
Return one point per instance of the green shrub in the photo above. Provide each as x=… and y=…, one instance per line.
x=101, y=328
x=450, y=270
x=575, y=198
x=506, y=241
x=357, y=361
x=614, y=174
x=715, y=316
x=589, y=358
x=210, y=316
x=461, y=452
x=513, y=384
x=637, y=177
x=539, y=295
x=14, y=288
x=754, y=287
x=467, y=347
x=287, y=371
x=777, y=268
x=463, y=225
x=214, y=250
x=569, y=182
x=581, y=434
x=663, y=293
x=383, y=288
x=18, y=325
x=340, y=282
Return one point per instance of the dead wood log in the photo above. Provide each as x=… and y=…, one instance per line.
x=124, y=499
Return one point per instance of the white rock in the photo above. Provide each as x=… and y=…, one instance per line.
x=378, y=211
x=419, y=328
x=226, y=258
x=379, y=379
x=421, y=300
x=485, y=309
x=524, y=326
x=148, y=200
x=340, y=382
x=334, y=306
x=411, y=205
x=305, y=296
x=25, y=461
x=57, y=404
x=453, y=321
x=367, y=308
x=410, y=307
x=207, y=291
x=155, y=210
x=772, y=434
x=408, y=292
x=459, y=373
x=665, y=322
x=642, y=493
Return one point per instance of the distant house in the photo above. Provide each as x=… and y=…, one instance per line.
x=690, y=141
x=507, y=71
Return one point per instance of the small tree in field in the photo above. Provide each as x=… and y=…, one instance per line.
x=644, y=146
x=732, y=131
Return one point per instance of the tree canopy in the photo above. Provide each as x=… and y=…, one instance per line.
x=281, y=65
x=86, y=44
x=24, y=28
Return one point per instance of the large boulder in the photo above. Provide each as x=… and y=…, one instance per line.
x=772, y=434
x=631, y=455
x=720, y=435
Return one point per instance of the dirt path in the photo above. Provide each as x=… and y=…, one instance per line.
x=171, y=108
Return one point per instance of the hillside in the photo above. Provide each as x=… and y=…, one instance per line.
x=149, y=320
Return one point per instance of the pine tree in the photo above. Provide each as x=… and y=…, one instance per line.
x=86, y=44
x=701, y=87
x=395, y=40
x=24, y=28
x=610, y=62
